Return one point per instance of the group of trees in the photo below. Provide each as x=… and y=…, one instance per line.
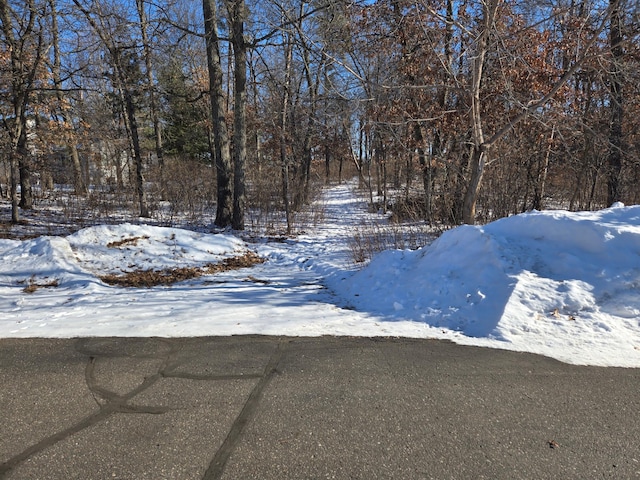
x=496, y=106
x=511, y=96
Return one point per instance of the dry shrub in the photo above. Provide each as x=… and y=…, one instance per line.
x=413, y=208
x=186, y=189
x=264, y=199
x=371, y=238
x=408, y=209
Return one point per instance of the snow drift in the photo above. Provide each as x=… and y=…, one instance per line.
x=552, y=278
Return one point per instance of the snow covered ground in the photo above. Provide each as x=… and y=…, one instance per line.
x=565, y=285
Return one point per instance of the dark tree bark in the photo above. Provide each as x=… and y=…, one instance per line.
x=616, y=106
x=425, y=166
x=284, y=107
x=237, y=12
x=24, y=168
x=24, y=64
x=135, y=141
x=221, y=151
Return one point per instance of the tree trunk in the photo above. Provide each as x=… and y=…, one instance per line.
x=383, y=167
x=543, y=170
x=137, y=154
x=237, y=12
x=79, y=185
x=614, y=160
x=478, y=161
x=157, y=131
x=478, y=158
x=13, y=188
x=594, y=185
x=122, y=82
x=327, y=164
x=22, y=78
x=425, y=166
x=24, y=167
x=19, y=170
x=221, y=151
x=301, y=195
x=284, y=107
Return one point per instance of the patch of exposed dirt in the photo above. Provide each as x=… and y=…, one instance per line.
x=126, y=241
x=152, y=278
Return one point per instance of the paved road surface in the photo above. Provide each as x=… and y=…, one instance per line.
x=292, y=408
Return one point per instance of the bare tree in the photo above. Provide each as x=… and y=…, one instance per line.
x=221, y=151
x=26, y=49
x=480, y=147
x=153, y=104
x=284, y=108
x=63, y=105
x=123, y=59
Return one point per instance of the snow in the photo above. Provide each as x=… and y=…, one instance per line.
x=561, y=284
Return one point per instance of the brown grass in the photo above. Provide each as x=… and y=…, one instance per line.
x=33, y=286
x=152, y=278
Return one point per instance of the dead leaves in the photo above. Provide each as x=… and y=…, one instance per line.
x=169, y=276
x=553, y=444
x=151, y=278
x=34, y=285
x=126, y=241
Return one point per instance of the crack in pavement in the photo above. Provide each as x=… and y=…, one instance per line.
x=110, y=402
x=86, y=422
x=219, y=462
x=116, y=403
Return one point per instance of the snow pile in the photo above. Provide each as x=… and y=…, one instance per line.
x=554, y=282
x=104, y=249
x=51, y=287
x=562, y=284
x=114, y=248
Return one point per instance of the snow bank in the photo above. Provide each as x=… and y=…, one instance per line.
x=552, y=280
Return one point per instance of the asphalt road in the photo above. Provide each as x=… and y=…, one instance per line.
x=308, y=408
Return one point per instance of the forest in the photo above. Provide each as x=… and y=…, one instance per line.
x=448, y=111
